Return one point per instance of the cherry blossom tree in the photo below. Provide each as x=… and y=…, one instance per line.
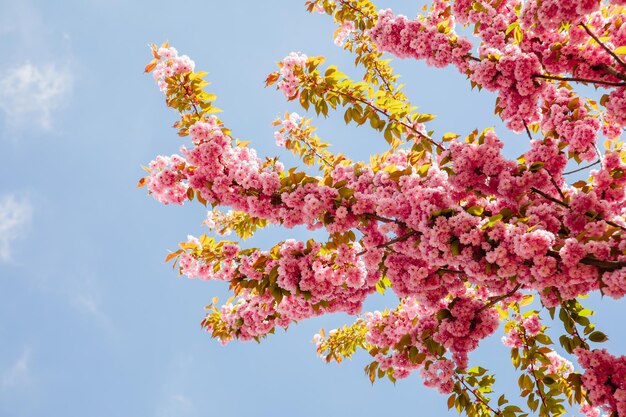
x=468, y=240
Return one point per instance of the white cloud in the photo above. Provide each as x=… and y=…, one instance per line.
x=15, y=216
x=89, y=306
x=31, y=94
x=171, y=401
x=18, y=373
x=175, y=405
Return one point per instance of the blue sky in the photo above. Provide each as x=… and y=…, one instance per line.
x=92, y=321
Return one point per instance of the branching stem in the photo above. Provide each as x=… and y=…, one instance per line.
x=596, y=162
x=493, y=301
x=606, y=48
x=532, y=373
x=580, y=80
x=477, y=396
x=391, y=242
x=384, y=113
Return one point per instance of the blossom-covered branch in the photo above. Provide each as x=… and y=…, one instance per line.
x=463, y=235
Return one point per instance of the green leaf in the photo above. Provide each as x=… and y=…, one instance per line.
x=444, y=314
x=493, y=220
x=477, y=371
x=566, y=343
x=512, y=409
x=455, y=247
x=347, y=116
x=536, y=166
x=598, y=337
x=476, y=210
x=416, y=356
x=543, y=339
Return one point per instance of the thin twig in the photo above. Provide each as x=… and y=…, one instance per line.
x=590, y=216
x=386, y=220
x=549, y=173
x=391, y=242
x=317, y=153
x=493, y=301
x=368, y=50
x=527, y=130
x=555, y=184
x=582, y=168
x=359, y=11
x=549, y=197
x=580, y=80
x=532, y=372
x=606, y=48
x=383, y=112
x=190, y=97
x=604, y=265
x=478, y=397
x=599, y=155
x=574, y=331
x=380, y=74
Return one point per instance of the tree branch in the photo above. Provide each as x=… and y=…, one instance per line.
x=595, y=147
x=354, y=9
x=450, y=271
x=574, y=331
x=386, y=220
x=532, y=372
x=604, y=265
x=493, y=301
x=580, y=80
x=563, y=204
x=549, y=197
x=606, y=48
x=609, y=69
x=527, y=130
x=317, y=153
x=582, y=168
x=383, y=112
x=477, y=396
x=391, y=242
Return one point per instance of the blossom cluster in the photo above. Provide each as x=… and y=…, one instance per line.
x=516, y=50
x=522, y=327
x=413, y=327
x=167, y=181
x=604, y=379
x=291, y=66
x=170, y=64
x=288, y=126
x=567, y=117
x=304, y=280
x=616, y=107
x=559, y=365
x=310, y=284
x=343, y=32
x=419, y=39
